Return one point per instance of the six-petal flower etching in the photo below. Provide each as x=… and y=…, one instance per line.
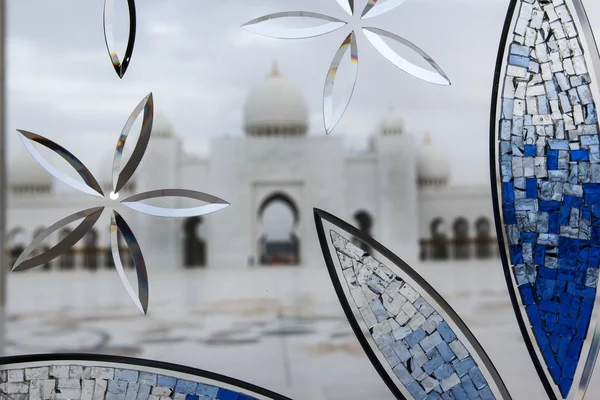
x=375, y=36
x=90, y=216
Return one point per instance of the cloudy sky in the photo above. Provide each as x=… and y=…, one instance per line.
x=201, y=66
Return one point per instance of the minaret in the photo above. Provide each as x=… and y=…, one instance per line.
x=397, y=227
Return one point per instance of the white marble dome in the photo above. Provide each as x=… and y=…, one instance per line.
x=25, y=172
x=275, y=107
x=433, y=167
x=392, y=123
x=161, y=126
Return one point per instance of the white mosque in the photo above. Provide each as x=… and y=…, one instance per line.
x=397, y=191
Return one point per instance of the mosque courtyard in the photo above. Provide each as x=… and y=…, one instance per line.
x=281, y=328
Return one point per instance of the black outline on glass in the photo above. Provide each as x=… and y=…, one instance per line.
x=105, y=358
x=548, y=386
x=426, y=287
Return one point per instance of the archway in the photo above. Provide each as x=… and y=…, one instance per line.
x=67, y=258
x=278, y=242
x=364, y=223
x=194, y=247
x=42, y=248
x=15, y=240
x=90, y=250
x=439, y=248
x=461, y=239
x=482, y=227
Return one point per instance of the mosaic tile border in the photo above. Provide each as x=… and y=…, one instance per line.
x=419, y=357
x=539, y=133
x=103, y=377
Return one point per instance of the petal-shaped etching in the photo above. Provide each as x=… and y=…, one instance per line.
x=377, y=7
x=120, y=67
x=90, y=216
x=332, y=117
x=590, y=363
x=117, y=223
x=214, y=203
x=546, y=187
x=347, y=5
x=91, y=185
x=120, y=178
x=257, y=25
x=375, y=37
x=414, y=339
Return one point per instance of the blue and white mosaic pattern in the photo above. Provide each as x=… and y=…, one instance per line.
x=420, y=347
x=76, y=382
x=550, y=169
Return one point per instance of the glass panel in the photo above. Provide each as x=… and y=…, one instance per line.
x=159, y=205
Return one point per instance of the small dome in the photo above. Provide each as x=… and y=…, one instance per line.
x=161, y=126
x=275, y=107
x=24, y=173
x=392, y=123
x=433, y=168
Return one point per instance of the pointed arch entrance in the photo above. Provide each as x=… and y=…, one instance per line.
x=278, y=240
x=194, y=246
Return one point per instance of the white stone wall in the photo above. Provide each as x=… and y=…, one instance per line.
x=246, y=170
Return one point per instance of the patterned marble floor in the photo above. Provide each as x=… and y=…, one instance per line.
x=279, y=328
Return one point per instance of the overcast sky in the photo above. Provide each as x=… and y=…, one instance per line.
x=200, y=65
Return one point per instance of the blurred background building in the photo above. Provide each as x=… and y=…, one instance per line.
x=397, y=191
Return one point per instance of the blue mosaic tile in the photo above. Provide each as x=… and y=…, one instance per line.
x=224, y=394
x=126, y=375
x=187, y=387
x=207, y=391
x=167, y=381
x=147, y=378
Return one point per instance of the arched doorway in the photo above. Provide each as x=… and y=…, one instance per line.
x=364, y=222
x=194, y=247
x=461, y=239
x=67, y=258
x=90, y=250
x=15, y=240
x=482, y=248
x=439, y=238
x=42, y=248
x=278, y=241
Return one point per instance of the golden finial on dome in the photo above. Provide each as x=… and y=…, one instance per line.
x=275, y=69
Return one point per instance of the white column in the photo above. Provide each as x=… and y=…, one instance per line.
x=3, y=256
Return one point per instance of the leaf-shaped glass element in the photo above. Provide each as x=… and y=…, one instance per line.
x=90, y=216
x=214, y=203
x=91, y=185
x=375, y=37
x=258, y=25
x=117, y=223
x=378, y=7
x=546, y=231
x=347, y=5
x=120, y=67
x=120, y=178
x=412, y=336
x=331, y=116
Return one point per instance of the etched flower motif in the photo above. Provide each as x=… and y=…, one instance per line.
x=90, y=186
x=375, y=36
